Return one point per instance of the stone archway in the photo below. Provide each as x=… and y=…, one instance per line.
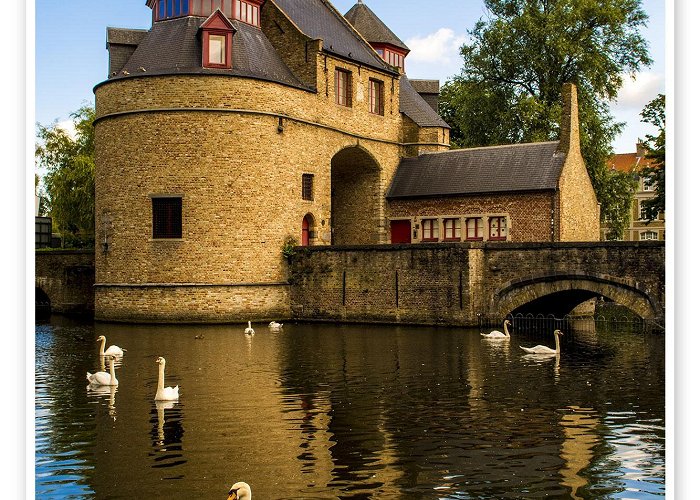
x=42, y=303
x=355, y=197
x=567, y=291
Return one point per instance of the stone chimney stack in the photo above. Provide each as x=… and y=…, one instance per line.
x=641, y=150
x=569, y=141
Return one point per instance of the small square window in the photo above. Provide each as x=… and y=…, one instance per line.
x=167, y=217
x=475, y=228
x=307, y=187
x=430, y=230
x=453, y=230
x=497, y=228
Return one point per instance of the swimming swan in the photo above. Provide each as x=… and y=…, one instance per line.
x=498, y=335
x=274, y=325
x=104, y=378
x=165, y=393
x=113, y=350
x=240, y=491
x=249, y=330
x=541, y=349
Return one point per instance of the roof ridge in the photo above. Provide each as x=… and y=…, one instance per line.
x=492, y=147
x=353, y=30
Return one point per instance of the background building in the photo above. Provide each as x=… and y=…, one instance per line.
x=639, y=229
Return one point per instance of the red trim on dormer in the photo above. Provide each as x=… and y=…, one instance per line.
x=217, y=24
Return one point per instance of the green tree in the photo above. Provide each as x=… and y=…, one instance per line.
x=654, y=113
x=70, y=177
x=516, y=62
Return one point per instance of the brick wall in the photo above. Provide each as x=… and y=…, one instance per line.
x=67, y=277
x=528, y=214
x=454, y=283
x=238, y=176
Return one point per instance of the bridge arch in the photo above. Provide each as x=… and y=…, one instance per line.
x=42, y=302
x=531, y=293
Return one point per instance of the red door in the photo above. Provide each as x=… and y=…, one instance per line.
x=400, y=231
x=305, y=232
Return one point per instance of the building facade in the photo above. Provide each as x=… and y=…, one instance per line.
x=640, y=228
x=230, y=126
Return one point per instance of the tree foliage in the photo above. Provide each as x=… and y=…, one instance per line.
x=70, y=177
x=654, y=113
x=516, y=63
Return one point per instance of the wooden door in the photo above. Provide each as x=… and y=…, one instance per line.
x=401, y=231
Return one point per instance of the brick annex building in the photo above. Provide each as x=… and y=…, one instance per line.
x=233, y=124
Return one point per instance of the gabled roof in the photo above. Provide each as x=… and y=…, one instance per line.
x=494, y=169
x=425, y=86
x=371, y=27
x=628, y=162
x=416, y=108
x=175, y=47
x=319, y=19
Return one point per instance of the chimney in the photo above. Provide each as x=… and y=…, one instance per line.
x=569, y=132
x=641, y=150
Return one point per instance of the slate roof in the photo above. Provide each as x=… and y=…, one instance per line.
x=371, y=27
x=319, y=19
x=174, y=47
x=425, y=86
x=123, y=36
x=495, y=169
x=416, y=108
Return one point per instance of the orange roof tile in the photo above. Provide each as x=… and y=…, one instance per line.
x=627, y=162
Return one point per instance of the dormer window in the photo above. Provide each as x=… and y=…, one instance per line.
x=391, y=55
x=247, y=11
x=217, y=37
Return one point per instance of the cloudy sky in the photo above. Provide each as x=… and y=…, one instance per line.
x=71, y=56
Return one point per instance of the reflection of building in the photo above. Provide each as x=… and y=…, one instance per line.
x=230, y=125
x=638, y=229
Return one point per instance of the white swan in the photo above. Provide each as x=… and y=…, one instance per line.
x=541, y=349
x=249, y=330
x=165, y=393
x=112, y=350
x=274, y=325
x=104, y=378
x=498, y=335
x=240, y=491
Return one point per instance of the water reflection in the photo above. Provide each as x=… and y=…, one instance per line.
x=351, y=411
x=104, y=392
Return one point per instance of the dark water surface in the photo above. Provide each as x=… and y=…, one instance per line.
x=351, y=411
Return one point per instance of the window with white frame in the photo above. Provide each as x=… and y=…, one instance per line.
x=430, y=230
x=453, y=230
x=475, y=228
x=497, y=228
x=648, y=184
x=649, y=235
x=645, y=213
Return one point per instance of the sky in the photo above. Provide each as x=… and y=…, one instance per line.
x=71, y=55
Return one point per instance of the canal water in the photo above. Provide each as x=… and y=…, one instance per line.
x=349, y=411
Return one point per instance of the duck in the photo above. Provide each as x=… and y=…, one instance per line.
x=274, y=325
x=240, y=491
x=542, y=349
x=165, y=393
x=249, y=331
x=495, y=334
x=104, y=378
x=112, y=350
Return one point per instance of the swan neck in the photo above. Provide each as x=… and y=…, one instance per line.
x=112, y=375
x=102, y=346
x=161, y=376
x=556, y=343
x=505, y=329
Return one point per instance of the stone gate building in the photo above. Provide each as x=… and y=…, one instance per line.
x=231, y=125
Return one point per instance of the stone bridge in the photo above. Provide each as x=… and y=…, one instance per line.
x=460, y=282
x=64, y=281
